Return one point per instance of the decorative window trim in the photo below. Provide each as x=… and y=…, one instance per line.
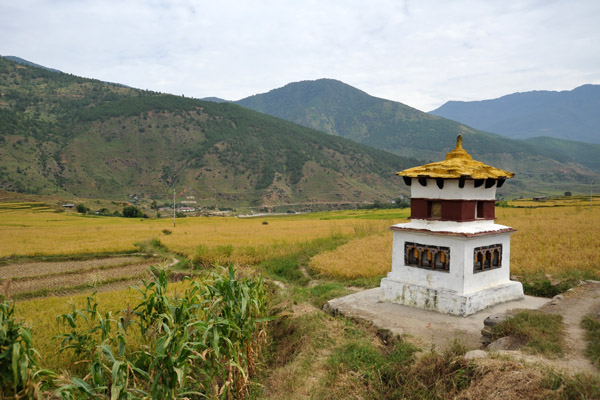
x=424, y=256
x=486, y=258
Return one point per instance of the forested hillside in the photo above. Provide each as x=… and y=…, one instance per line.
x=65, y=134
x=339, y=109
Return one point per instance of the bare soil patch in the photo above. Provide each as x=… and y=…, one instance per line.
x=41, y=278
x=33, y=269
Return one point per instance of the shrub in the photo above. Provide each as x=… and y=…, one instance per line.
x=81, y=208
x=133, y=212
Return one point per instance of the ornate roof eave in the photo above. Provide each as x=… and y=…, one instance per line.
x=458, y=164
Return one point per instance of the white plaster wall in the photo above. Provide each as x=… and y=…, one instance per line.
x=487, y=279
x=452, y=280
x=451, y=191
x=460, y=278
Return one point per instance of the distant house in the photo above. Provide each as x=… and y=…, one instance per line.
x=68, y=205
x=540, y=198
x=186, y=209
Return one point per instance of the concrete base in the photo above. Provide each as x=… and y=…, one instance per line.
x=447, y=301
x=424, y=326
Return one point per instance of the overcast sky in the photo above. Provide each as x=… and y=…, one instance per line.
x=421, y=53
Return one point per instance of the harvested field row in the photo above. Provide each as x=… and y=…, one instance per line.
x=33, y=269
x=64, y=282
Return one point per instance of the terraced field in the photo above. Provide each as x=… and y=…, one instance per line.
x=33, y=279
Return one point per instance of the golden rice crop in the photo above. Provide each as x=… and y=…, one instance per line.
x=363, y=257
x=556, y=240
x=551, y=240
x=27, y=232
x=555, y=201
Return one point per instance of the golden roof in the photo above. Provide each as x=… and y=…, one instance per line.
x=458, y=163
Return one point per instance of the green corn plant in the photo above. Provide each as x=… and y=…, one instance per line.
x=155, y=301
x=202, y=344
x=20, y=375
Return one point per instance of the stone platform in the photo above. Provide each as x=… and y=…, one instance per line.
x=447, y=301
x=426, y=326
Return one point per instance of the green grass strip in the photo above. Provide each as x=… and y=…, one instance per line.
x=543, y=333
x=592, y=326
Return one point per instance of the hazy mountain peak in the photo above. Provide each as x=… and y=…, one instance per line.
x=568, y=114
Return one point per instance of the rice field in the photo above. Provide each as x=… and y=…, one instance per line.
x=28, y=229
x=34, y=279
x=364, y=257
x=38, y=269
x=559, y=241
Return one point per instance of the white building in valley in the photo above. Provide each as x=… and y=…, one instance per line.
x=451, y=257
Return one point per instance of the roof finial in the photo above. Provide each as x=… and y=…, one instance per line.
x=459, y=142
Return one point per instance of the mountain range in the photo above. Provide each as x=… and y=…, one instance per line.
x=332, y=106
x=570, y=114
x=69, y=135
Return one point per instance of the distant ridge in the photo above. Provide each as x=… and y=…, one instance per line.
x=569, y=114
x=22, y=61
x=215, y=99
x=342, y=110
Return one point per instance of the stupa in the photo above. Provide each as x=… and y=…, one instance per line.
x=452, y=257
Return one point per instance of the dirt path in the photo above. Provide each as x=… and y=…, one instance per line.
x=574, y=305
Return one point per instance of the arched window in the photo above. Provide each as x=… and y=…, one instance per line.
x=478, y=261
x=426, y=259
x=487, y=262
x=413, y=256
x=425, y=256
x=496, y=259
x=487, y=257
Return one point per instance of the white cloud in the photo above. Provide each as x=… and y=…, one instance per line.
x=420, y=53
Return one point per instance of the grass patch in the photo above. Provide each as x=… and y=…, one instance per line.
x=439, y=375
x=545, y=288
x=542, y=333
x=579, y=386
x=363, y=357
x=321, y=293
x=287, y=267
x=392, y=372
x=592, y=326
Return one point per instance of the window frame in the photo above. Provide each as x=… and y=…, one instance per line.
x=427, y=257
x=484, y=258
